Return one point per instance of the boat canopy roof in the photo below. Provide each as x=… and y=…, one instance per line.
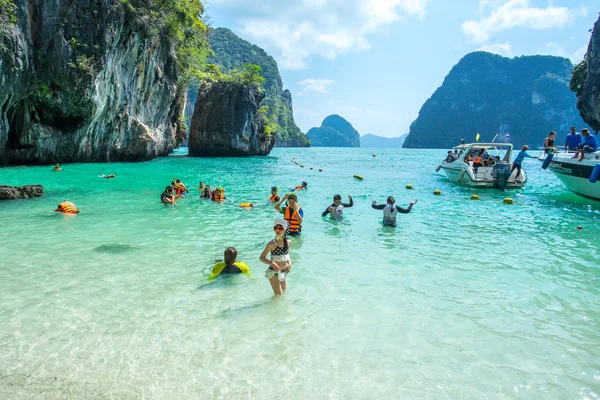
x=503, y=146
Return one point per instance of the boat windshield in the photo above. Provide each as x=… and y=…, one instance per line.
x=497, y=152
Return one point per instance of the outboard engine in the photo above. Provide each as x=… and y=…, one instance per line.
x=501, y=173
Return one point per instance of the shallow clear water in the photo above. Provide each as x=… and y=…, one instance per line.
x=464, y=299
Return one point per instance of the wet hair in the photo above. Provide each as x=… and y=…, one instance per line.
x=337, y=197
x=168, y=189
x=525, y=147
x=552, y=133
x=304, y=184
x=178, y=180
x=391, y=200
x=230, y=255
x=274, y=189
x=573, y=127
x=293, y=197
x=586, y=130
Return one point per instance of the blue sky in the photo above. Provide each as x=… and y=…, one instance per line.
x=375, y=62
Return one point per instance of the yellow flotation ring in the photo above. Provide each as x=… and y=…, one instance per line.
x=474, y=197
x=220, y=266
x=320, y=170
x=359, y=177
x=508, y=200
x=437, y=192
x=409, y=186
x=302, y=165
x=246, y=205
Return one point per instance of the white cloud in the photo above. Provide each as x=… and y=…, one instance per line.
x=555, y=49
x=315, y=85
x=504, y=49
x=517, y=13
x=295, y=31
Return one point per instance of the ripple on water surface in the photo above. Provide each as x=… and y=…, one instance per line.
x=464, y=299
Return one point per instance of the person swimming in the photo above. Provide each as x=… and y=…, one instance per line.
x=57, y=168
x=167, y=197
x=180, y=189
x=274, y=196
x=201, y=186
x=66, y=207
x=301, y=187
x=390, y=210
x=230, y=265
x=218, y=194
x=206, y=193
x=108, y=176
x=336, y=209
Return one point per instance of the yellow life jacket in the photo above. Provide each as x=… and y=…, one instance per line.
x=220, y=266
x=290, y=217
x=67, y=207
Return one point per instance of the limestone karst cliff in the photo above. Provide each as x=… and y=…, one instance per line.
x=227, y=122
x=589, y=90
x=489, y=94
x=87, y=81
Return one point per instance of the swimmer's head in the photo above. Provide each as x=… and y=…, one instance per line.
x=178, y=181
x=274, y=189
x=525, y=147
x=292, y=199
x=230, y=255
x=391, y=200
x=304, y=184
x=337, y=198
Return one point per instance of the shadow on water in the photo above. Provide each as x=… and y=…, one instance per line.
x=117, y=248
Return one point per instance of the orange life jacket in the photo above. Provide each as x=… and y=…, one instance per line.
x=274, y=198
x=477, y=160
x=298, y=188
x=215, y=197
x=294, y=224
x=67, y=207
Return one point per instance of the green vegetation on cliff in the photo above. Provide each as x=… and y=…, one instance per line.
x=489, y=94
x=335, y=131
x=7, y=13
x=231, y=53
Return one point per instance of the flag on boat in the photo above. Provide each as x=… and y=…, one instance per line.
x=477, y=138
x=508, y=137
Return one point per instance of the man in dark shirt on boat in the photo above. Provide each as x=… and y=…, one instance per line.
x=573, y=139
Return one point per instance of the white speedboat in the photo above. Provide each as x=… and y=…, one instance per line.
x=574, y=174
x=494, y=175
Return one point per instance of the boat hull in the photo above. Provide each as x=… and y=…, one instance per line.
x=466, y=176
x=575, y=175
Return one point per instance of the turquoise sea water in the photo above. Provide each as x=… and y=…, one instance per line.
x=464, y=299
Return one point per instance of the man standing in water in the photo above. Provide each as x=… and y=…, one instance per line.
x=292, y=213
x=336, y=210
x=391, y=210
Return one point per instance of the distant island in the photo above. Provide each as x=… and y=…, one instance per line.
x=488, y=94
x=370, y=140
x=334, y=131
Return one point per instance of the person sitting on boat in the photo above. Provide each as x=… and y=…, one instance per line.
x=573, y=139
x=391, y=210
x=519, y=160
x=455, y=154
x=549, y=143
x=449, y=158
x=589, y=144
x=478, y=161
x=336, y=209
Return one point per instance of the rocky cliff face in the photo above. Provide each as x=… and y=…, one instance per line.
x=334, y=131
x=85, y=81
x=232, y=52
x=488, y=94
x=589, y=100
x=226, y=122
